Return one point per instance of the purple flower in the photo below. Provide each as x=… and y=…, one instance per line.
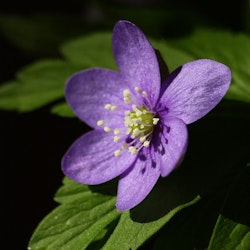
x=139, y=123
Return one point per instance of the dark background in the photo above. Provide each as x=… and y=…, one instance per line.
x=33, y=143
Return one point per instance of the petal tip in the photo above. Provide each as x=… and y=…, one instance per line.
x=123, y=22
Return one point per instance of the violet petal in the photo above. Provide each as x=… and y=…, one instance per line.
x=137, y=182
x=197, y=88
x=88, y=91
x=136, y=59
x=91, y=160
x=172, y=144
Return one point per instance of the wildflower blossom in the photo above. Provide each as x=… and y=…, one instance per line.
x=139, y=123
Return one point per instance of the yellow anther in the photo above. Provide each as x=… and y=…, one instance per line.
x=100, y=123
x=139, y=122
x=117, y=153
x=107, y=129
x=155, y=120
x=116, y=131
x=126, y=93
x=127, y=96
x=142, y=139
x=116, y=138
x=128, y=131
x=136, y=132
x=144, y=94
x=137, y=89
x=146, y=143
x=108, y=106
x=113, y=107
x=138, y=112
x=124, y=145
x=127, y=100
x=134, y=107
x=132, y=150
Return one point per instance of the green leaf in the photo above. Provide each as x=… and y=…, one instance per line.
x=36, y=85
x=43, y=82
x=232, y=230
x=231, y=49
x=81, y=217
x=131, y=234
x=87, y=217
x=94, y=50
x=230, y=235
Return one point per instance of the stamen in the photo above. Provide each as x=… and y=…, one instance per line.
x=108, y=106
x=107, y=129
x=144, y=94
x=127, y=96
x=117, y=153
x=155, y=120
x=132, y=150
x=100, y=123
x=135, y=133
x=142, y=139
x=128, y=131
x=116, y=131
x=116, y=138
x=134, y=107
x=146, y=143
x=113, y=107
x=139, y=122
x=138, y=90
x=126, y=92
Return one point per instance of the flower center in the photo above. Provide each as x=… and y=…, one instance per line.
x=139, y=122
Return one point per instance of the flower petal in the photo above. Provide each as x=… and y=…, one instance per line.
x=88, y=91
x=172, y=144
x=137, y=182
x=91, y=160
x=196, y=88
x=136, y=59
